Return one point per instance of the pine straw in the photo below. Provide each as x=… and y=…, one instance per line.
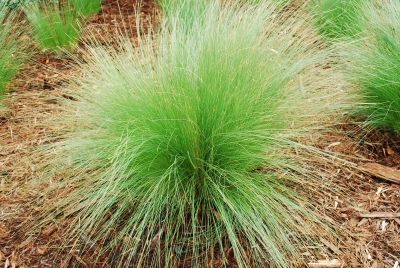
x=25, y=126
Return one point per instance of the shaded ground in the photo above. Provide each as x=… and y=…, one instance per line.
x=23, y=127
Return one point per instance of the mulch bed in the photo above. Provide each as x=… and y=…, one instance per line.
x=36, y=95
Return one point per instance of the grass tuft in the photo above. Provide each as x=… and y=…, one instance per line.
x=182, y=151
x=375, y=66
x=12, y=54
x=86, y=7
x=55, y=26
x=338, y=18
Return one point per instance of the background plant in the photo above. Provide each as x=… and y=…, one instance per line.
x=55, y=26
x=12, y=53
x=86, y=7
x=375, y=65
x=338, y=18
x=184, y=147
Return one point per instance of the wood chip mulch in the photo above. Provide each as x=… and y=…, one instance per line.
x=372, y=215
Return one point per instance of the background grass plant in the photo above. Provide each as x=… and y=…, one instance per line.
x=182, y=150
x=375, y=65
x=338, y=18
x=12, y=48
x=55, y=26
x=86, y=7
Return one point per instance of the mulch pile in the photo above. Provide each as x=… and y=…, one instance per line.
x=372, y=215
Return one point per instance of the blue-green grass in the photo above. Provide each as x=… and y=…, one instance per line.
x=337, y=19
x=56, y=27
x=182, y=150
x=188, y=11
x=86, y=7
x=12, y=48
x=375, y=66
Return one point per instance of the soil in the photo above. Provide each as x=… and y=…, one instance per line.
x=37, y=94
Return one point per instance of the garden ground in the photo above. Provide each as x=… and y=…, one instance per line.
x=373, y=220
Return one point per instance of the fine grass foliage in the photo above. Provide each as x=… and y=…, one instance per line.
x=278, y=3
x=12, y=54
x=375, y=66
x=183, y=150
x=338, y=18
x=188, y=11
x=56, y=27
x=86, y=7
x=191, y=10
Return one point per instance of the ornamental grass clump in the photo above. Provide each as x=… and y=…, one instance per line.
x=184, y=151
x=338, y=18
x=86, y=7
x=12, y=52
x=56, y=27
x=375, y=66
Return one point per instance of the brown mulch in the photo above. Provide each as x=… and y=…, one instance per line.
x=367, y=213
x=37, y=94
